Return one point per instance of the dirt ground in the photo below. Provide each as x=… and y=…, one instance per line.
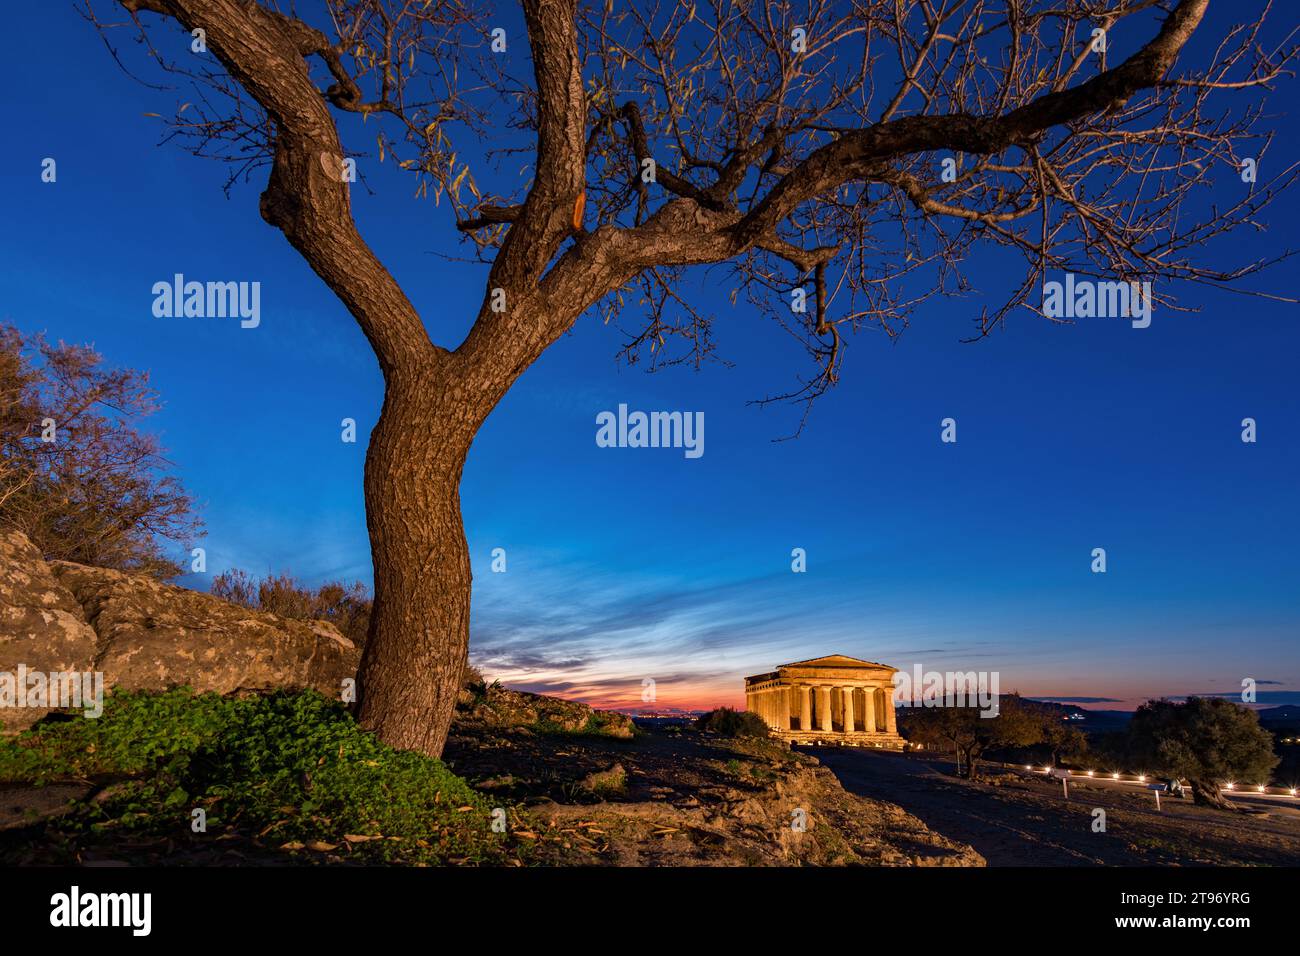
x=682, y=798
x=1020, y=820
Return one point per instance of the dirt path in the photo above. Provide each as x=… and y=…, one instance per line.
x=1025, y=822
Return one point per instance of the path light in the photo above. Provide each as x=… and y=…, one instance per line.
x=1142, y=778
x=1293, y=791
x=1261, y=788
x=1091, y=772
x=1114, y=776
x=1230, y=786
x=1027, y=767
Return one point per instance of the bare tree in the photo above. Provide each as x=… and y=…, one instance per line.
x=78, y=476
x=797, y=143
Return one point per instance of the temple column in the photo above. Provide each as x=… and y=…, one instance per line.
x=805, y=707
x=824, y=708
x=869, y=710
x=781, y=696
x=847, y=694
x=891, y=719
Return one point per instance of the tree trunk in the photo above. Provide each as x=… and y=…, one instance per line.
x=415, y=655
x=1208, y=795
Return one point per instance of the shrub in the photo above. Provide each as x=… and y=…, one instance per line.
x=733, y=723
x=346, y=606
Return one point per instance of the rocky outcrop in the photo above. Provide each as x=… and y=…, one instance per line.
x=42, y=626
x=145, y=635
x=799, y=816
x=494, y=706
x=153, y=636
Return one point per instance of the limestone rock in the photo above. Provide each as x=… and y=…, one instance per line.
x=152, y=636
x=494, y=706
x=41, y=625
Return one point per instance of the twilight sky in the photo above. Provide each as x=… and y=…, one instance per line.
x=626, y=564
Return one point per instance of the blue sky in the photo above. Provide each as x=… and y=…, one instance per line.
x=633, y=563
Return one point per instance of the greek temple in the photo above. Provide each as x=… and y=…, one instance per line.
x=828, y=700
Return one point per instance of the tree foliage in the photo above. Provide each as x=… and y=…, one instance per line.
x=1063, y=740
x=973, y=733
x=1208, y=740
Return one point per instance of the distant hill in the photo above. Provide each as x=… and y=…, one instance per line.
x=1285, y=714
x=1103, y=720
x=1094, y=721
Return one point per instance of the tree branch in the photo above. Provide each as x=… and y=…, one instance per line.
x=861, y=153
x=305, y=197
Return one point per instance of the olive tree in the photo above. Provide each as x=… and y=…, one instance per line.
x=1208, y=740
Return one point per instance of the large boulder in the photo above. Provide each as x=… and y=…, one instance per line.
x=153, y=636
x=62, y=618
x=42, y=627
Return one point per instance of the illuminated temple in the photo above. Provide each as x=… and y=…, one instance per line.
x=828, y=700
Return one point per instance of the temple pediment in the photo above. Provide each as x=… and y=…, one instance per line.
x=836, y=660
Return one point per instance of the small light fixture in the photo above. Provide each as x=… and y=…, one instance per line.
x=1230, y=786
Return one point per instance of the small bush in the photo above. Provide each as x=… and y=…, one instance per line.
x=607, y=783
x=733, y=723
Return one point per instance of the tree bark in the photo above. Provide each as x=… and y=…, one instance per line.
x=415, y=656
x=1208, y=795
